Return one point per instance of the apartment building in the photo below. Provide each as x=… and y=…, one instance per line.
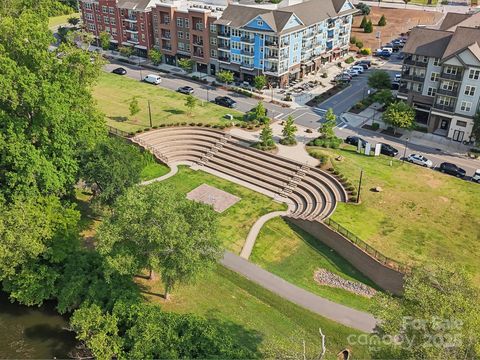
x=441, y=76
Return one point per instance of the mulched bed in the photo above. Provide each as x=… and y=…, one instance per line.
x=369, y=127
x=390, y=133
x=327, y=94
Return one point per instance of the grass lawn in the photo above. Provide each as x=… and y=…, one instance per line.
x=259, y=319
x=153, y=171
x=60, y=20
x=419, y=216
x=114, y=93
x=293, y=254
x=236, y=221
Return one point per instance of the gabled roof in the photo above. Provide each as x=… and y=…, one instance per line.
x=452, y=19
x=427, y=42
x=137, y=5
x=462, y=38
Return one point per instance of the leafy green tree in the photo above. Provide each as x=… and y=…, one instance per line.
x=437, y=317
x=353, y=39
x=126, y=51
x=363, y=22
x=266, y=139
x=45, y=126
x=259, y=82
x=155, y=56
x=104, y=40
x=399, y=115
x=155, y=227
x=225, y=76
x=190, y=103
x=368, y=28
x=380, y=79
x=288, y=132
x=73, y=20
x=476, y=127
x=186, y=64
x=382, y=21
x=134, y=107
x=359, y=44
x=384, y=97
x=326, y=128
x=111, y=168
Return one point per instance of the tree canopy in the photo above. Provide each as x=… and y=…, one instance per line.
x=225, y=76
x=288, y=132
x=380, y=79
x=399, y=115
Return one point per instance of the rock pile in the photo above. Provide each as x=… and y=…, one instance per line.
x=324, y=277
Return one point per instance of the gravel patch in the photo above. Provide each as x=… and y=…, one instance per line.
x=324, y=277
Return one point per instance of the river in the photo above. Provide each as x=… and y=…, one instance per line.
x=33, y=332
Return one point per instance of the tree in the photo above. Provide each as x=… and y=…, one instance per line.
x=326, y=128
x=225, y=76
x=259, y=82
x=399, y=115
x=185, y=64
x=380, y=79
x=104, y=40
x=126, y=51
x=134, y=107
x=353, y=39
x=382, y=21
x=359, y=44
x=437, y=317
x=288, y=132
x=190, y=103
x=155, y=56
x=384, y=97
x=73, y=20
x=364, y=22
x=111, y=168
x=476, y=127
x=406, y=2
x=155, y=227
x=368, y=28
x=266, y=139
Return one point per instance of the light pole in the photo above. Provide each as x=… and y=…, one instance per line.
x=405, y=150
x=359, y=185
x=150, y=113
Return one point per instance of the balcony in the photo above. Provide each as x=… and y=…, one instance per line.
x=271, y=70
x=403, y=90
x=457, y=77
x=247, y=40
x=271, y=57
x=223, y=46
x=247, y=53
x=246, y=65
x=446, y=108
x=198, y=43
x=414, y=77
x=453, y=92
x=132, y=30
x=198, y=54
x=224, y=59
x=269, y=43
x=409, y=61
x=223, y=34
x=166, y=35
x=130, y=18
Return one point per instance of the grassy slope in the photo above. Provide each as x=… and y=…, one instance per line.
x=294, y=255
x=420, y=215
x=258, y=317
x=114, y=93
x=236, y=221
x=60, y=20
x=153, y=171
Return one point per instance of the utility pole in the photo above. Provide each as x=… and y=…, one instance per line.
x=359, y=185
x=150, y=113
x=405, y=150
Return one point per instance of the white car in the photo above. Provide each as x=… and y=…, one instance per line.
x=152, y=79
x=352, y=72
x=397, y=77
x=476, y=176
x=358, y=68
x=419, y=160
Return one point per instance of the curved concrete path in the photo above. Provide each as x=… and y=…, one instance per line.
x=173, y=171
x=255, y=230
x=339, y=313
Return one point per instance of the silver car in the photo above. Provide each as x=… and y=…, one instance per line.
x=476, y=176
x=419, y=160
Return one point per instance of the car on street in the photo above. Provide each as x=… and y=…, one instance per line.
x=397, y=77
x=476, y=176
x=364, y=62
x=353, y=140
x=343, y=78
x=363, y=65
x=152, y=79
x=187, y=90
x=388, y=150
x=352, y=72
x=419, y=160
x=359, y=68
x=400, y=56
x=225, y=101
x=452, y=169
x=119, y=71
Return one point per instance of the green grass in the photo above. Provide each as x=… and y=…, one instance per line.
x=420, y=215
x=294, y=255
x=236, y=221
x=60, y=20
x=259, y=319
x=153, y=171
x=114, y=93
x=423, y=2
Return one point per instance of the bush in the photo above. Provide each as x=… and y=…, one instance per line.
x=364, y=22
x=324, y=75
x=284, y=141
x=353, y=40
x=208, y=125
x=353, y=193
x=162, y=125
x=352, y=199
x=366, y=51
x=375, y=126
x=368, y=27
x=359, y=44
x=183, y=123
x=364, y=8
x=444, y=2
x=382, y=21
x=323, y=158
x=349, y=60
x=155, y=127
x=350, y=188
x=332, y=143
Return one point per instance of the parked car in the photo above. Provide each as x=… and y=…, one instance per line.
x=419, y=160
x=388, y=48
x=395, y=85
x=187, y=90
x=388, y=150
x=225, y=101
x=343, y=78
x=452, y=169
x=353, y=140
x=152, y=79
x=383, y=53
x=400, y=56
x=119, y=71
x=352, y=72
x=476, y=176
x=358, y=68
x=397, y=77
x=366, y=62
x=363, y=65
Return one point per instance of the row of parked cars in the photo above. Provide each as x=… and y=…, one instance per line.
x=358, y=68
x=418, y=159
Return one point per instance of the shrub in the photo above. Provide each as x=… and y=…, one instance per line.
x=162, y=125
x=208, y=125
x=352, y=199
x=350, y=188
x=192, y=124
x=444, y=2
x=382, y=21
x=139, y=131
x=366, y=51
x=375, y=126
x=353, y=192
x=364, y=8
x=155, y=127
x=131, y=133
x=353, y=40
x=221, y=127
x=335, y=172
x=324, y=75
x=309, y=131
x=183, y=123
x=146, y=129
x=350, y=60
x=364, y=22
x=359, y=44
x=199, y=124
x=243, y=126
x=368, y=27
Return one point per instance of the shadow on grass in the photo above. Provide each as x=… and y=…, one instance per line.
x=175, y=111
x=118, y=118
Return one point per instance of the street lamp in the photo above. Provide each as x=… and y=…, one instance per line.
x=405, y=150
x=359, y=185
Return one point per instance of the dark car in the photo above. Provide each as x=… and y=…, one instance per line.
x=388, y=150
x=362, y=64
x=366, y=62
x=119, y=71
x=187, y=90
x=353, y=140
x=451, y=169
x=225, y=101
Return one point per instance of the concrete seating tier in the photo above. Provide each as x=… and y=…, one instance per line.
x=313, y=192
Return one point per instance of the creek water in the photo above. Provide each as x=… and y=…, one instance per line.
x=33, y=332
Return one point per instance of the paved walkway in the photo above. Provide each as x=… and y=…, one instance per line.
x=173, y=171
x=333, y=311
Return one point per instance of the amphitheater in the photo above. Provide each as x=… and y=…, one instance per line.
x=311, y=193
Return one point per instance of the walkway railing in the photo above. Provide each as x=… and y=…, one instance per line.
x=117, y=132
x=393, y=264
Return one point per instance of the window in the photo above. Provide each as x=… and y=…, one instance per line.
x=447, y=85
x=179, y=22
x=235, y=58
x=213, y=28
x=111, y=10
x=114, y=31
x=187, y=36
x=213, y=41
x=461, y=123
x=466, y=106
x=107, y=29
x=443, y=100
x=106, y=19
x=434, y=76
x=213, y=53
x=99, y=27
x=259, y=22
x=436, y=61
x=450, y=70
x=89, y=16
x=104, y=9
x=87, y=6
x=187, y=25
x=142, y=27
x=143, y=37
x=470, y=90
x=155, y=18
x=180, y=34
x=91, y=27
x=474, y=74
x=431, y=91
x=99, y=17
x=157, y=41
x=181, y=46
x=187, y=47
x=417, y=87
x=112, y=21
